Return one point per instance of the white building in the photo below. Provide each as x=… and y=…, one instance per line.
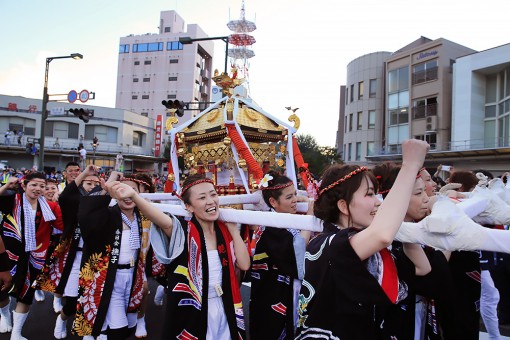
x=154, y=67
x=117, y=131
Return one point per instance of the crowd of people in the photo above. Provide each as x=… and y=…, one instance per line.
x=94, y=241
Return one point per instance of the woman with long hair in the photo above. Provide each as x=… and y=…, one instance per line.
x=351, y=280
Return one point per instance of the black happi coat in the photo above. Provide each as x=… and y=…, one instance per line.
x=436, y=284
x=101, y=229
x=339, y=297
x=273, y=272
x=186, y=316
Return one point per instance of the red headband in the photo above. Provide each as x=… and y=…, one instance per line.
x=139, y=181
x=186, y=188
x=279, y=186
x=343, y=179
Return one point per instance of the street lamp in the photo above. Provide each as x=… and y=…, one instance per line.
x=189, y=40
x=76, y=56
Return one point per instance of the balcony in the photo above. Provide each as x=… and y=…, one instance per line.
x=474, y=148
x=424, y=111
x=424, y=76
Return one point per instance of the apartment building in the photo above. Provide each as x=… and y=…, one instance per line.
x=153, y=67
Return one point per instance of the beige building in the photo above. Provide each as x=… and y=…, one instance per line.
x=395, y=96
x=363, y=120
x=154, y=67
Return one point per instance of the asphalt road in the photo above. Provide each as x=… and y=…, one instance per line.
x=41, y=320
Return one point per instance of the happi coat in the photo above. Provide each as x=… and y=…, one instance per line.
x=25, y=266
x=101, y=228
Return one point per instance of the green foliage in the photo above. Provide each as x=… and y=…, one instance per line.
x=318, y=157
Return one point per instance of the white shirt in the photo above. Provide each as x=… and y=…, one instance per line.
x=83, y=153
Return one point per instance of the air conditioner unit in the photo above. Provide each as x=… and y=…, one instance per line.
x=431, y=124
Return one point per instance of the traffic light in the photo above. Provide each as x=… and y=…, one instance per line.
x=178, y=105
x=82, y=114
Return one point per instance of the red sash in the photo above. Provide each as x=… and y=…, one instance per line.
x=389, y=276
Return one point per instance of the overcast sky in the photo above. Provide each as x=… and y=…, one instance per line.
x=302, y=47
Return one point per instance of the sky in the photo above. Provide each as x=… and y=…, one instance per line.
x=301, y=54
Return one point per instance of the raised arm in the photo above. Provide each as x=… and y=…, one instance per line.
x=121, y=191
x=380, y=233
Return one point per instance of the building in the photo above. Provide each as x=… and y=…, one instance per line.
x=481, y=108
x=117, y=131
x=153, y=67
x=363, y=119
x=409, y=96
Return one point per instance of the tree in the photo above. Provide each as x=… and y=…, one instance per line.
x=318, y=157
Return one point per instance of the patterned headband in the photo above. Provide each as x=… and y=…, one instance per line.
x=186, y=188
x=419, y=172
x=343, y=179
x=279, y=186
x=139, y=181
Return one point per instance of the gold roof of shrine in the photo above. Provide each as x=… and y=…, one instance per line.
x=254, y=125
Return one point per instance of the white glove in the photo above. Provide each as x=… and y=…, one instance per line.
x=449, y=228
x=497, y=212
x=497, y=186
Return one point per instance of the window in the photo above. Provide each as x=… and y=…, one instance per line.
x=137, y=138
x=146, y=80
x=360, y=90
x=171, y=96
x=135, y=80
x=350, y=122
x=370, y=148
x=424, y=72
x=372, y=88
x=167, y=29
x=174, y=61
x=352, y=93
x=140, y=47
x=145, y=114
x=345, y=123
x=346, y=96
x=148, y=47
x=432, y=140
x=59, y=129
x=137, y=62
x=425, y=107
x=29, y=131
x=371, y=119
x=106, y=134
x=359, y=121
x=124, y=48
x=145, y=96
x=358, y=151
x=173, y=46
x=398, y=97
x=398, y=80
x=134, y=96
x=147, y=62
x=172, y=78
x=350, y=152
x=156, y=46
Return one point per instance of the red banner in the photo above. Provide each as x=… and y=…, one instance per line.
x=157, y=136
